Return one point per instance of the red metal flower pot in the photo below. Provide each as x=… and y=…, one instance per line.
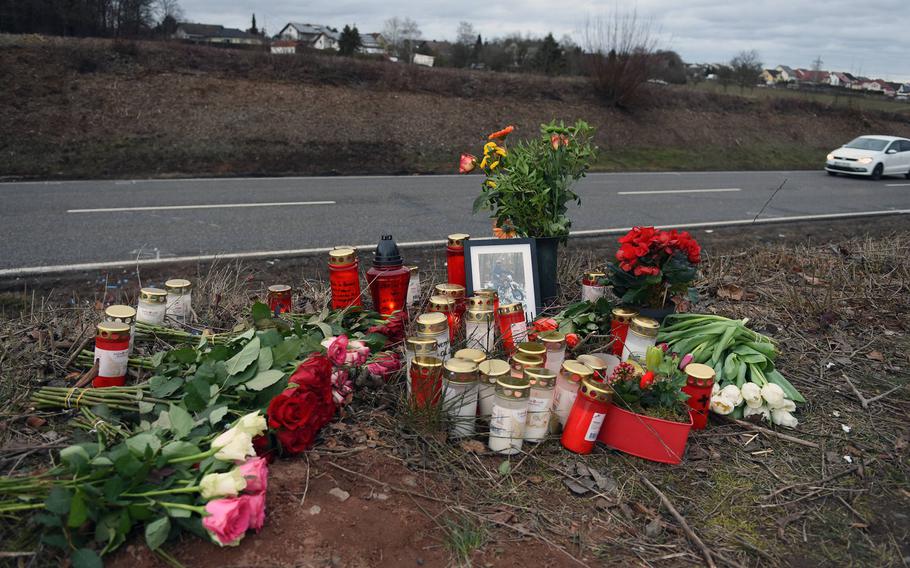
x=644, y=436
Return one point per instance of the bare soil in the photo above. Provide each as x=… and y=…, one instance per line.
x=89, y=108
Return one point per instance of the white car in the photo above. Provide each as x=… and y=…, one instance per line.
x=873, y=156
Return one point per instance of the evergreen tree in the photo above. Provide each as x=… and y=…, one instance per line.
x=253, y=29
x=478, y=50
x=349, y=41
x=549, y=57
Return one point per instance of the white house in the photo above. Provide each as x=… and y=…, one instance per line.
x=786, y=74
x=310, y=35
x=209, y=33
x=876, y=85
x=372, y=44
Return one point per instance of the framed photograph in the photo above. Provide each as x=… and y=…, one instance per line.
x=508, y=266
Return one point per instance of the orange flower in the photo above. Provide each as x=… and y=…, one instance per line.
x=564, y=139
x=501, y=133
x=466, y=163
x=554, y=141
x=504, y=232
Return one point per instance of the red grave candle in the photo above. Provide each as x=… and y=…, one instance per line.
x=455, y=258
x=513, y=328
x=699, y=383
x=425, y=375
x=619, y=328
x=279, y=299
x=586, y=417
x=112, y=352
x=344, y=277
x=388, y=278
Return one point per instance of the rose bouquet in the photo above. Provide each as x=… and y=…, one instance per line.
x=654, y=268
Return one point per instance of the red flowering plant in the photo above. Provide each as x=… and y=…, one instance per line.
x=655, y=390
x=655, y=267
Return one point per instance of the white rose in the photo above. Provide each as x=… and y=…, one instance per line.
x=773, y=394
x=222, y=484
x=752, y=394
x=721, y=405
x=731, y=393
x=760, y=410
x=253, y=424
x=238, y=448
x=783, y=418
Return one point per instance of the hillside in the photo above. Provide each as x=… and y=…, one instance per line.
x=96, y=108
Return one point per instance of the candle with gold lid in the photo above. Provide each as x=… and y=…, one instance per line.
x=593, y=286
x=344, y=277
x=152, y=306
x=479, y=331
x=521, y=361
x=279, y=299
x=179, y=300
x=476, y=356
x=540, y=402
x=112, y=353
x=490, y=372
x=455, y=258
x=510, y=414
x=513, y=328
x=619, y=327
x=435, y=325
x=642, y=334
x=533, y=348
x=555, y=344
x=570, y=376
x=460, y=399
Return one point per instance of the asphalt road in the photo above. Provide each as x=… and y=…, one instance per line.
x=52, y=226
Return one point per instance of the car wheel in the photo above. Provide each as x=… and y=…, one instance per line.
x=877, y=172
x=832, y=173
x=907, y=175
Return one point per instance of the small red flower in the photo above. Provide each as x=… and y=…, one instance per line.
x=466, y=163
x=572, y=340
x=554, y=141
x=646, y=380
x=545, y=324
x=499, y=134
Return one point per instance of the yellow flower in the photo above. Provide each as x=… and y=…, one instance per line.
x=489, y=147
x=483, y=163
x=491, y=183
x=500, y=151
x=494, y=165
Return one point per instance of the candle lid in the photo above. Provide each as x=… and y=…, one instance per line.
x=441, y=303
x=279, y=288
x=461, y=370
x=643, y=325
x=421, y=345
x=107, y=328
x=624, y=314
x=552, y=337
x=432, y=323
x=427, y=361
x=513, y=387
x=451, y=290
x=699, y=374
x=593, y=362
x=492, y=369
x=413, y=269
x=594, y=275
x=540, y=378
x=532, y=348
x=487, y=292
x=576, y=370
x=506, y=309
x=119, y=312
x=480, y=303
x=475, y=355
x=178, y=285
x=479, y=316
x=595, y=390
x=342, y=255
x=458, y=239
x=153, y=295
x=527, y=360
x=386, y=253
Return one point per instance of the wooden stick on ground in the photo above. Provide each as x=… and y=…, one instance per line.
x=709, y=560
x=786, y=437
x=867, y=401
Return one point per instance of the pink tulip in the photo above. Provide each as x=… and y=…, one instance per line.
x=256, y=473
x=227, y=520
x=466, y=163
x=685, y=361
x=337, y=349
x=664, y=347
x=256, y=510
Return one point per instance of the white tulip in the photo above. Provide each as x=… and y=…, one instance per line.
x=783, y=418
x=760, y=410
x=222, y=484
x=721, y=405
x=252, y=423
x=732, y=394
x=752, y=394
x=238, y=447
x=773, y=394
x=788, y=405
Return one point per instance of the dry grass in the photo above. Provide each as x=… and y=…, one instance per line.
x=837, y=310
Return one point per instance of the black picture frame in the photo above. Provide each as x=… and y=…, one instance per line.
x=475, y=248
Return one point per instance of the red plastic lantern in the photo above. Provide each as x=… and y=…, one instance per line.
x=619, y=328
x=426, y=381
x=279, y=299
x=344, y=278
x=513, y=328
x=699, y=383
x=388, y=278
x=455, y=258
x=112, y=353
x=586, y=417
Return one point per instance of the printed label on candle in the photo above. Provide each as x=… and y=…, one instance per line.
x=112, y=363
x=591, y=293
x=594, y=427
x=147, y=315
x=519, y=332
x=562, y=403
x=508, y=423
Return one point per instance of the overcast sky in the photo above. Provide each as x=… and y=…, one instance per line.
x=867, y=37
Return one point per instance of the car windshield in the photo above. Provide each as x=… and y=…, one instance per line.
x=867, y=144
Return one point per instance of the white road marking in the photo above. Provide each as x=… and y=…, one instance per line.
x=212, y=206
x=34, y=270
x=897, y=184
x=657, y=191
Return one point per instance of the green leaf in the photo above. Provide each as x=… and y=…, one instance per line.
x=181, y=421
x=112, y=488
x=184, y=355
x=260, y=311
x=265, y=358
x=242, y=360
x=505, y=468
x=139, y=443
x=325, y=328
x=163, y=387
x=264, y=379
x=78, y=511
x=156, y=532
x=217, y=413
x=179, y=513
x=58, y=500
x=286, y=351
x=75, y=457
x=158, y=358
x=179, y=449
x=146, y=407
x=86, y=558
x=269, y=338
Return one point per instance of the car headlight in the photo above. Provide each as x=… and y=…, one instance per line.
x=864, y=161
x=830, y=157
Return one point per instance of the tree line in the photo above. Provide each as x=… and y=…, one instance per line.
x=100, y=18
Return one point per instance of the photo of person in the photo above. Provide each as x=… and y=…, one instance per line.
x=506, y=266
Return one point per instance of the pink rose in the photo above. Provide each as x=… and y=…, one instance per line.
x=256, y=509
x=227, y=520
x=256, y=473
x=342, y=387
x=338, y=349
x=384, y=365
x=466, y=163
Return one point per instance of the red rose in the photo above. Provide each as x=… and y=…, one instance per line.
x=545, y=324
x=263, y=447
x=572, y=340
x=312, y=372
x=393, y=327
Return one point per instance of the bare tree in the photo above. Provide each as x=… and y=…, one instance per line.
x=401, y=35
x=817, y=70
x=620, y=48
x=746, y=69
x=463, y=48
x=165, y=8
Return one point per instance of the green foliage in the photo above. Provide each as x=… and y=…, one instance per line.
x=586, y=317
x=662, y=397
x=532, y=188
x=349, y=41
